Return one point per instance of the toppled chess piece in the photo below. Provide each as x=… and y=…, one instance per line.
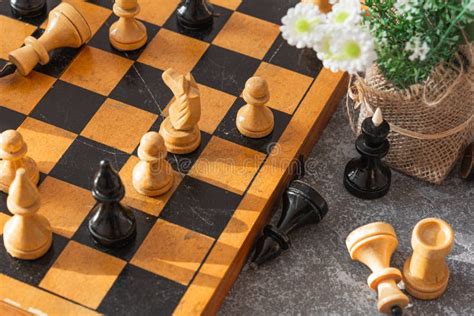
x=66, y=28
x=255, y=119
x=180, y=129
x=467, y=164
x=426, y=273
x=373, y=245
x=302, y=205
x=368, y=177
x=27, y=235
x=152, y=176
x=127, y=33
x=28, y=8
x=13, y=151
x=111, y=224
x=195, y=14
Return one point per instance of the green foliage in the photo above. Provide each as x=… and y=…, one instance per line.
x=436, y=22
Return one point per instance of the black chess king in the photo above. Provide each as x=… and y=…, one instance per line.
x=368, y=177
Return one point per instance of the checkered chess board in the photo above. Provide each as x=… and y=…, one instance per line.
x=95, y=103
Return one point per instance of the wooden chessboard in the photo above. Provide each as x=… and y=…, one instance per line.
x=95, y=103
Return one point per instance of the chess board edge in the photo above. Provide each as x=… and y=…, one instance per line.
x=213, y=281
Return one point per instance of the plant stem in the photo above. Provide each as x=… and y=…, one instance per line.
x=448, y=31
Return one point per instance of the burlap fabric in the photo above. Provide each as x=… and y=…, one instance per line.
x=430, y=124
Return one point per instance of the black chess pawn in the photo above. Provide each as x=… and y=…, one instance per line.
x=368, y=177
x=111, y=224
x=195, y=14
x=28, y=8
x=302, y=205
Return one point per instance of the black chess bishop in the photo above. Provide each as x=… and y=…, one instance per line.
x=368, y=177
x=302, y=205
x=195, y=14
x=111, y=223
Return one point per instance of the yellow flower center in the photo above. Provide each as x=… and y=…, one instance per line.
x=341, y=17
x=303, y=26
x=352, y=50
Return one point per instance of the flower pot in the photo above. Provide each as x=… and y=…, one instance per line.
x=430, y=124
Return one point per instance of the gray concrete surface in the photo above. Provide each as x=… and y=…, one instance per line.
x=318, y=277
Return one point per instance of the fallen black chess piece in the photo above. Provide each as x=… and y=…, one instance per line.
x=302, y=205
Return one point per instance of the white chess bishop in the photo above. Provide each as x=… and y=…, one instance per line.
x=27, y=235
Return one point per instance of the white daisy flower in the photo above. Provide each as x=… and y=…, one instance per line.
x=348, y=49
x=300, y=24
x=345, y=12
x=418, y=49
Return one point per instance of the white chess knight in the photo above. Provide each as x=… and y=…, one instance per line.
x=13, y=151
x=180, y=129
x=152, y=176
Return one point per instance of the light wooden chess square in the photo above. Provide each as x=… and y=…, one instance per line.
x=150, y=205
x=229, y=4
x=46, y=143
x=172, y=50
x=227, y=165
x=247, y=35
x=13, y=33
x=97, y=70
x=65, y=214
x=30, y=297
x=286, y=87
x=22, y=94
x=157, y=11
x=172, y=251
x=115, y=119
x=82, y=274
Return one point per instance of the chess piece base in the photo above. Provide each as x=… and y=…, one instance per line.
x=180, y=142
x=46, y=233
x=28, y=9
x=112, y=225
x=157, y=191
x=354, y=177
x=247, y=118
x=422, y=290
x=132, y=43
x=31, y=170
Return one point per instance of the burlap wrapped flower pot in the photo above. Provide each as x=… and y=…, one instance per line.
x=430, y=124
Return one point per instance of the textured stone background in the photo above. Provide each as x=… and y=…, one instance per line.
x=317, y=275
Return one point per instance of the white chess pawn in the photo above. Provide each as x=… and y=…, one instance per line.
x=13, y=154
x=127, y=33
x=255, y=119
x=26, y=235
x=152, y=176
